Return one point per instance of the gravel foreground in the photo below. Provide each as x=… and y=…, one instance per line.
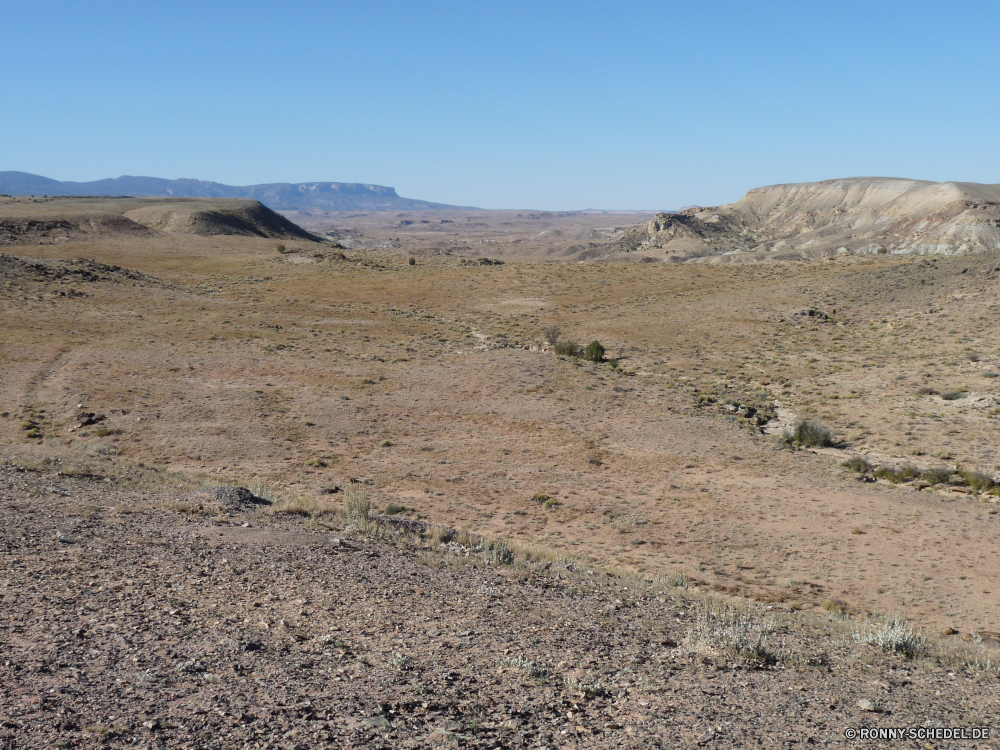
x=138, y=620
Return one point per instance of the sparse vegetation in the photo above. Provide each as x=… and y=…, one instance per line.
x=357, y=507
x=568, y=349
x=552, y=334
x=979, y=481
x=740, y=633
x=858, y=464
x=891, y=633
x=810, y=434
x=936, y=475
x=897, y=474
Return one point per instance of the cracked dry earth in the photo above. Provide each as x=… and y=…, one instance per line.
x=124, y=623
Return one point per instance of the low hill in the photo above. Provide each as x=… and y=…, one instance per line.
x=323, y=196
x=861, y=214
x=25, y=221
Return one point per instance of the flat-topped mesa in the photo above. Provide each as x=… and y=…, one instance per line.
x=855, y=215
x=26, y=221
x=279, y=196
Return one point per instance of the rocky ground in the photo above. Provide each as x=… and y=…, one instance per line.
x=171, y=618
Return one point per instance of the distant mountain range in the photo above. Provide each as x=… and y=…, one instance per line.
x=279, y=196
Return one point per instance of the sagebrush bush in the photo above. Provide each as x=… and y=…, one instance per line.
x=893, y=634
x=740, y=633
x=897, y=474
x=858, y=464
x=357, y=506
x=812, y=435
x=936, y=476
x=953, y=395
x=568, y=349
x=552, y=334
x=977, y=480
x=498, y=552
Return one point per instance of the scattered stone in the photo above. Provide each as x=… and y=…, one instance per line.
x=238, y=497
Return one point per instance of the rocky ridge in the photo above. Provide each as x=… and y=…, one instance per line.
x=857, y=215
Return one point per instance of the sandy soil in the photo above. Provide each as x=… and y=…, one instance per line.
x=432, y=384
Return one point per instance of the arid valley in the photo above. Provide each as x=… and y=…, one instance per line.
x=156, y=352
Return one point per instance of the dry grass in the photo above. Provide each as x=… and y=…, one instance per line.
x=273, y=358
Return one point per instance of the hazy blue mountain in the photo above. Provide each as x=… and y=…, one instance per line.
x=306, y=196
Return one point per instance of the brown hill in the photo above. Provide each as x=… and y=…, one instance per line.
x=857, y=215
x=26, y=221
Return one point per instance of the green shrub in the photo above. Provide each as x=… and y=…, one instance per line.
x=595, y=351
x=936, y=476
x=858, y=464
x=812, y=435
x=925, y=391
x=613, y=363
x=568, y=349
x=540, y=497
x=952, y=395
x=977, y=480
x=281, y=248
x=897, y=474
x=392, y=509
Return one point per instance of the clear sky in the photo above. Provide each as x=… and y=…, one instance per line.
x=550, y=105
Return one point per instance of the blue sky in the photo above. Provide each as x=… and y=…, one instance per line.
x=551, y=105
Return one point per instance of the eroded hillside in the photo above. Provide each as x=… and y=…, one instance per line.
x=858, y=215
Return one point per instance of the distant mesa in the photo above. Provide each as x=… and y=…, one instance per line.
x=55, y=220
x=817, y=219
x=311, y=196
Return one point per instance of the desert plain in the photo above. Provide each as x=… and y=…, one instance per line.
x=420, y=360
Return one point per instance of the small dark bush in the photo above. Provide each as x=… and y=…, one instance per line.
x=392, y=509
x=540, y=497
x=613, y=363
x=568, y=349
x=413, y=261
x=552, y=334
x=595, y=351
x=952, y=395
x=973, y=357
x=812, y=434
x=897, y=474
x=936, y=476
x=925, y=391
x=281, y=248
x=858, y=464
x=990, y=374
